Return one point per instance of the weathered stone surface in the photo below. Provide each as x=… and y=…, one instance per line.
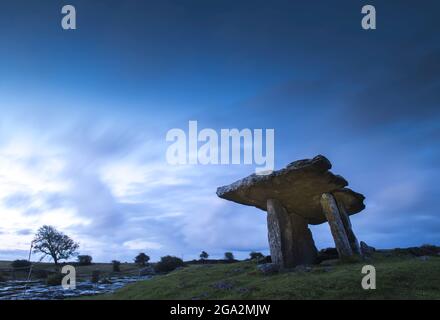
x=327, y=254
x=424, y=258
x=147, y=271
x=352, y=239
x=223, y=285
x=266, y=259
x=330, y=209
x=330, y=262
x=298, y=187
x=268, y=268
x=277, y=222
x=303, y=268
x=290, y=239
x=366, y=249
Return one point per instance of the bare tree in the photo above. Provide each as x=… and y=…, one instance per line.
x=55, y=244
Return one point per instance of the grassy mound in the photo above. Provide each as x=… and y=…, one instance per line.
x=397, y=278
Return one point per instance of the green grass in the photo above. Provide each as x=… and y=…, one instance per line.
x=397, y=278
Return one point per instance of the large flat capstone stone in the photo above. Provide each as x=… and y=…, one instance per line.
x=298, y=187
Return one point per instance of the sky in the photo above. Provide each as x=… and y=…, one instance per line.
x=85, y=113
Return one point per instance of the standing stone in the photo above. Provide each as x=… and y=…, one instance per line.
x=366, y=249
x=290, y=239
x=330, y=209
x=354, y=243
x=304, y=250
x=276, y=223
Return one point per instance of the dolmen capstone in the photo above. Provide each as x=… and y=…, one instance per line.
x=303, y=193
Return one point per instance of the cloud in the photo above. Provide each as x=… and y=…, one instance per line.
x=112, y=199
x=142, y=245
x=406, y=91
x=25, y=232
x=119, y=201
x=17, y=200
x=13, y=254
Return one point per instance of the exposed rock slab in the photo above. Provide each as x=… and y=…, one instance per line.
x=298, y=187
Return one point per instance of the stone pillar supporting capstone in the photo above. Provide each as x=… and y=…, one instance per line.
x=331, y=211
x=290, y=239
x=354, y=243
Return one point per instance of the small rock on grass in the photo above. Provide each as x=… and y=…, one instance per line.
x=223, y=285
x=268, y=268
x=303, y=268
x=423, y=258
x=331, y=262
x=366, y=249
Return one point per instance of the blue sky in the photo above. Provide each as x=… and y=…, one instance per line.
x=85, y=114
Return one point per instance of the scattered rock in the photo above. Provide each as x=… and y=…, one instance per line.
x=96, y=274
x=425, y=250
x=179, y=268
x=54, y=279
x=386, y=252
x=303, y=268
x=268, y=268
x=203, y=295
x=147, y=271
x=244, y=290
x=39, y=290
x=266, y=259
x=328, y=269
x=327, y=254
x=223, y=285
x=331, y=262
x=424, y=258
x=85, y=286
x=366, y=249
x=105, y=281
x=41, y=274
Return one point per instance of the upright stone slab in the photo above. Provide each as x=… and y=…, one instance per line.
x=352, y=239
x=304, y=250
x=330, y=209
x=277, y=223
x=290, y=239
